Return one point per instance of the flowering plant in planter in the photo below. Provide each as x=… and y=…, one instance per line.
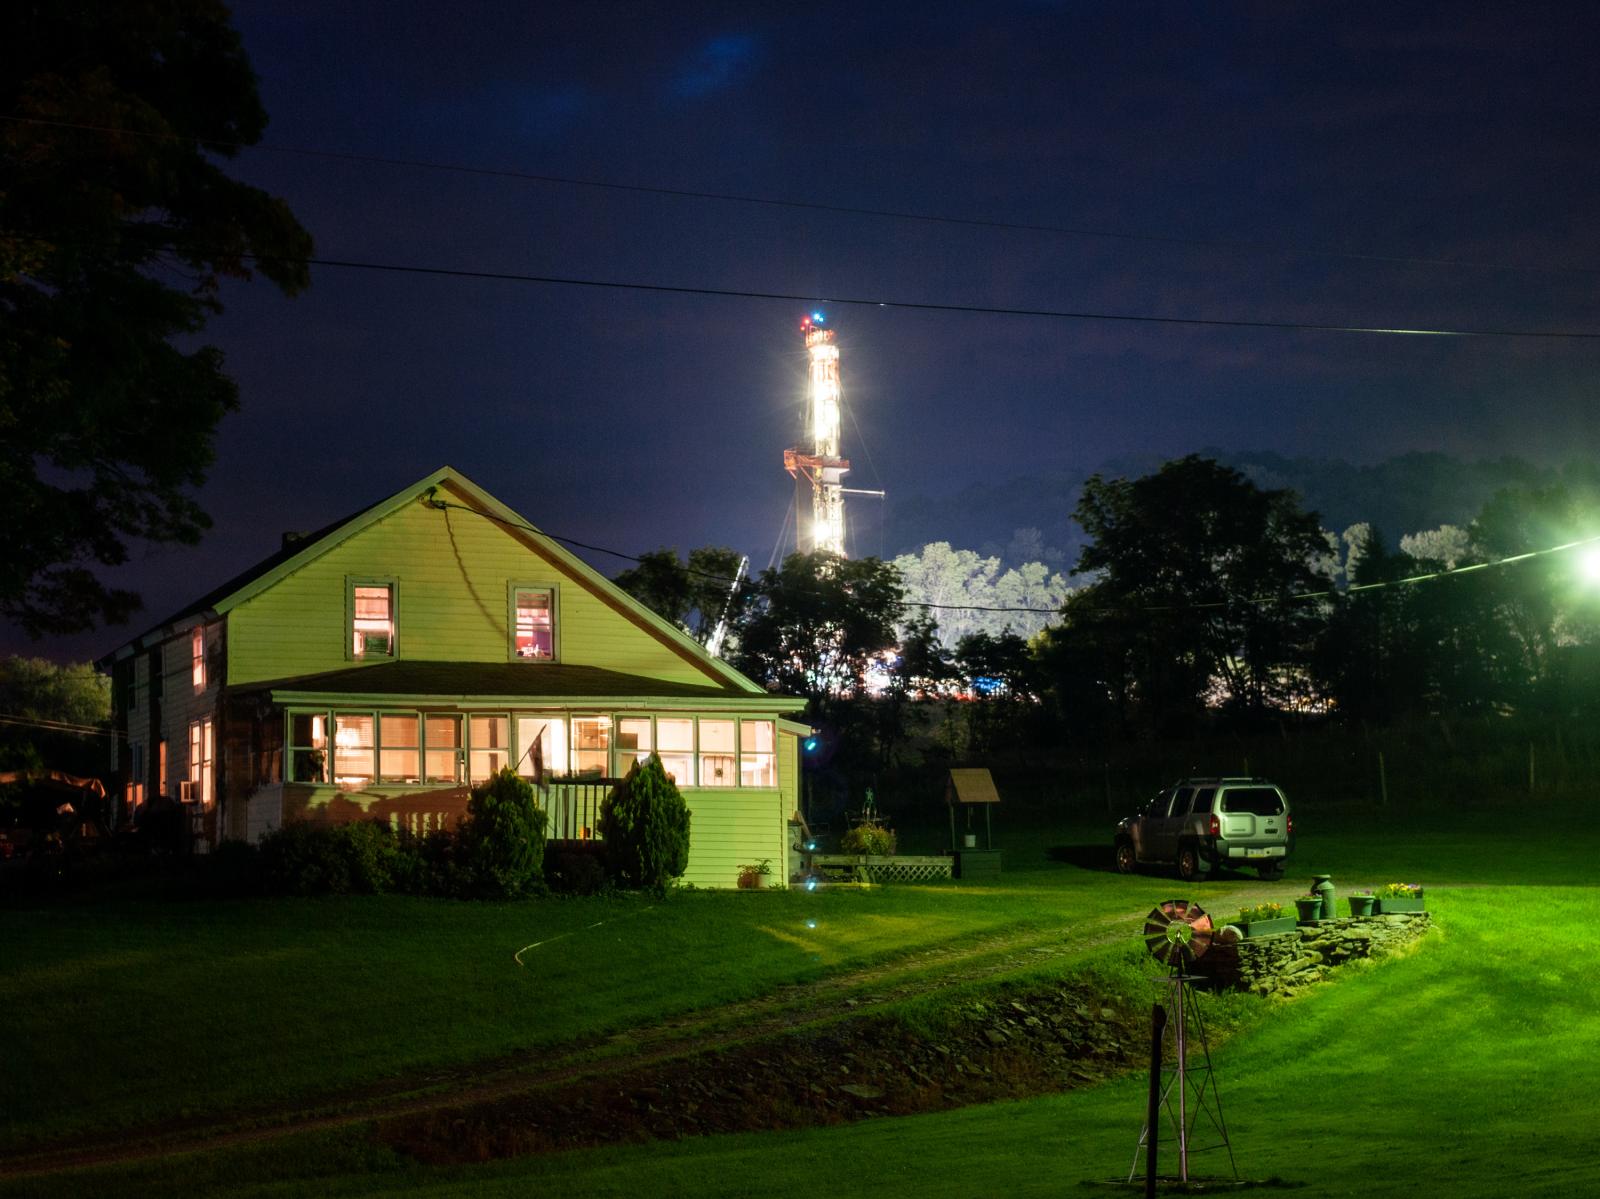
x=1262, y=911
x=1400, y=891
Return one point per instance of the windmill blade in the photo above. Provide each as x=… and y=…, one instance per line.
x=1178, y=932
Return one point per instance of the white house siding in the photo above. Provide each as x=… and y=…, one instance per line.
x=732, y=828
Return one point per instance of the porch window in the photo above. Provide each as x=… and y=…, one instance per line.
x=675, y=738
x=490, y=739
x=533, y=623
x=541, y=746
x=308, y=747
x=399, y=752
x=634, y=742
x=354, y=741
x=591, y=745
x=442, y=753
x=757, y=754
x=372, y=623
x=719, y=767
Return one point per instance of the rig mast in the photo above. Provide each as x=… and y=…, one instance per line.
x=822, y=467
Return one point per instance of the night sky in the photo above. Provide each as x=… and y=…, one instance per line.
x=1265, y=162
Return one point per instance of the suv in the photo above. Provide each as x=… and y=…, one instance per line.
x=1201, y=823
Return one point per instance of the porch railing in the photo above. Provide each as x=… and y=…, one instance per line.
x=573, y=807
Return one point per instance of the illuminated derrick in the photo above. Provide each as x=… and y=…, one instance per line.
x=822, y=467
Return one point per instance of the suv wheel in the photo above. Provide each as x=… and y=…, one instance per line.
x=1189, y=868
x=1127, y=860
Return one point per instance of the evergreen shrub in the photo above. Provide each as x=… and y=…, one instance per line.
x=868, y=838
x=503, y=838
x=359, y=858
x=645, y=826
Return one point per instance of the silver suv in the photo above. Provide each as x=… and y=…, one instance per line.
x=1201, y=823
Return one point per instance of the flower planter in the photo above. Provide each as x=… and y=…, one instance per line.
x=1266, y=928
x=1310, y=909
x=1361, y=905
x=1387, y=907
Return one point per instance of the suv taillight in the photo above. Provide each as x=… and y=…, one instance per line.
x=1290, y=821
x=1216, y=826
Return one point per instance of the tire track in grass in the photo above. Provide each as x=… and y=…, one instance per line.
x=790, y=1008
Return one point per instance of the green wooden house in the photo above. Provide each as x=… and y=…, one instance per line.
x=379, y=667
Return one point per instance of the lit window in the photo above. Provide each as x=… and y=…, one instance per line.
x=308, y=747
x=161, y=767
x=757, y=754
x=197, y=654
x=202, y=765
x=399, y=757
x=676, y=740
x=533, y=614
x=442, y=750
x=541, y=746
x=718, y=765
x=591, y=745
x=491, y=746
x=633, y=742
x=372, y=620
x=354, y=739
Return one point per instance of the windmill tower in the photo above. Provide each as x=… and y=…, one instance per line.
x=819, y=471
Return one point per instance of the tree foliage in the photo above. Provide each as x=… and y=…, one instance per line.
x=817, y=623
x=110, y=188
x=644, y=824
x=693, y=595
x=1194, y=600
x=970, y=583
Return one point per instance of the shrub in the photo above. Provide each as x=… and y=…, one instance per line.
x=317, y=859
x=645, y=825
x=502, y=839
x=867, y=838
x=575, y=869
x=430, y=864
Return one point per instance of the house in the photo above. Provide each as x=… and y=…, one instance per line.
x=379, y=667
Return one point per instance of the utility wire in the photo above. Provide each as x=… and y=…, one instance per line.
x=925, y=306
x=816, y=206
x=57, y=726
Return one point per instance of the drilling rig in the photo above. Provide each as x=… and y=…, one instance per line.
x=822, y=467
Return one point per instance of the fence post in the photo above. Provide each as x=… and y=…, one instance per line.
x=1383, y=782
x=1152, y=1118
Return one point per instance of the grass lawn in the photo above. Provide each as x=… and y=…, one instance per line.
x=1464, y=1069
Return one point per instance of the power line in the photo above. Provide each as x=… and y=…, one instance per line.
x=817, y=206
x=57, y=726
x=922, y=305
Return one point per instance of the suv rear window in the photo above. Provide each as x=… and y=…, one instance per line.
x=1258, y=801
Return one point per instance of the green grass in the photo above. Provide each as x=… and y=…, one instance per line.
x=1464, y=1069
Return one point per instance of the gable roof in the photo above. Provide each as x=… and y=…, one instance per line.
x=307, y=549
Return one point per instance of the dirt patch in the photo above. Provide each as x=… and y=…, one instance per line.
x=1032, y=1043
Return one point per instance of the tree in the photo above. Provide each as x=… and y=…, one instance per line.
x=817, y=623
x=108, y=186
x=1199, y=570
x=694, y=595
x=503, y=837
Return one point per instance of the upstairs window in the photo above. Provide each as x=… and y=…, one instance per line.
x=197, y=656
x=533, y=623
x=372, y=623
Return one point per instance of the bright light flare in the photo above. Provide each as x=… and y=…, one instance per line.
x=1589, y=564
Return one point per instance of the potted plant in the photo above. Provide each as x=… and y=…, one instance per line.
x=750, y=875
x=1309, y=907
x=1398, y=897
x=1361, y=903
x=1264, y=919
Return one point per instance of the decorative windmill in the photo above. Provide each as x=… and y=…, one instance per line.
x=1178, y=934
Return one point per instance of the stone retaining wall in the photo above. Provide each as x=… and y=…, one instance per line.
x=1286, y=962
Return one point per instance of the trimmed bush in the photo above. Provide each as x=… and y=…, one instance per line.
x=502, y=839
x=645, y=826
x=318, y=859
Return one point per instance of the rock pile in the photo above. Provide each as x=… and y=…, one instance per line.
x=1288, y=962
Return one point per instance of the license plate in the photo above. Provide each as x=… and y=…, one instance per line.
x=1258, y=853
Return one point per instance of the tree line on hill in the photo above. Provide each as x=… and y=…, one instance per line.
x=1204, y=599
